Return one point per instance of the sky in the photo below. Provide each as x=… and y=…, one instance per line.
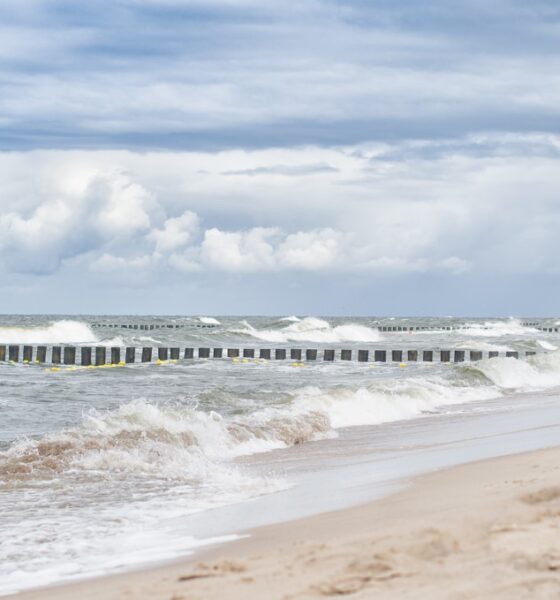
x=321, y=157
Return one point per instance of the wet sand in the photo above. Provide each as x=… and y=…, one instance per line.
x=489, y=529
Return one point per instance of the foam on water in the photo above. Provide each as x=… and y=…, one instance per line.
x=484, y=346
x=388, y=402
x=155, y=464
x=312, y=329
x=57, y=332
x=182, y=442
x=104, y=488
x=209, y=320
x=546, y=345
x=511, y=327
x=537, y=372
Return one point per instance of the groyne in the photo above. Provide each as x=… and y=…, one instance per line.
x=100, y=355
x=543, y=327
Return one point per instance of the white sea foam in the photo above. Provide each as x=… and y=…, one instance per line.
x=538, y=372
x=484, y=346
x=58, y=332
x=209, y=320
x=291, y=319
x=175, y=459
x=114, y=341
x=178, y=459
x=393, y=400
x=63, y=559
x=312, y=329
x=497, y=328
x=546, y=345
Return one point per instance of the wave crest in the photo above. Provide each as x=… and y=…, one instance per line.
x=58, y=332
x=537, y=372
x=312, y=329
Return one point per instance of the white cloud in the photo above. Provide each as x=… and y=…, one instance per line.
x=108, y=263
x=269, y=249
x=239, y=251
x=446, y=206
x=119, y=206
x=176, y=232
x=110, y=210
x=310, y=250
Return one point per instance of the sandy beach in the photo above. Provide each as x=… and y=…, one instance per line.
x=484, y=530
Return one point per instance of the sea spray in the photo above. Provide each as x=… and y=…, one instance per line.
x=57, y=332
x=312, y=329
x=537, y=372
x=498, y=328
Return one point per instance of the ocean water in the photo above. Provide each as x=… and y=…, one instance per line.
x=107, y=469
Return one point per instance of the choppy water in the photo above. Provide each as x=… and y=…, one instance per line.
x=97, y=465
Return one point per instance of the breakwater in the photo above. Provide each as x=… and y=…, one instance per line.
x=543, y=327
x=100, y=355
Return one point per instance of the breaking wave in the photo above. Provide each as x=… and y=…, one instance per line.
x=510, y=326
x=546, y=345
x=58, y=332
x=165, y=442
x=209, y=320
x=312, y=329
x=181, y=442
x=537, y=372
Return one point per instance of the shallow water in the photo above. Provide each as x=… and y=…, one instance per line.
x=98, y=468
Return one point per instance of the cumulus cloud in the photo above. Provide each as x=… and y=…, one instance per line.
x=310, y=250
x=268, y=249
x=176, y=232
x=414, y=207
x=239, y=251
x=111, y=209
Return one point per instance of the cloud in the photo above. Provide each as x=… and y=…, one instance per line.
x=286, y=170
x=109, y=263
x=310, y=250
x=269, y=249
x=110, y=210
x=452, y=207
x=241, y=73
x=239, y=251
x=176, y=232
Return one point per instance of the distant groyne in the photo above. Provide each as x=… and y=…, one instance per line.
x=543, y=327
x=102, y=355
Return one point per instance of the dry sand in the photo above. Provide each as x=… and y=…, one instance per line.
x=485, y=530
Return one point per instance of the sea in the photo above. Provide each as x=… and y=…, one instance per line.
x=108, y=470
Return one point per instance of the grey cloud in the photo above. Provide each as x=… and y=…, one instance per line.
x=286, y=170
x=188, y=75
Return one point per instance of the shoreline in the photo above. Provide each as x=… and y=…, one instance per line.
x=483, y=529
